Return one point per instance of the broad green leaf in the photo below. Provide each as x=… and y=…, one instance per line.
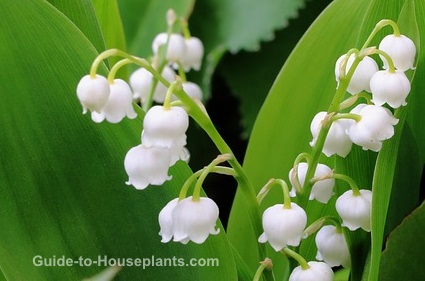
x=83, y=15
x=109, y=19
x=251, y=74
x=236, y=25
x=404, y=255
x=62, y=179
x=143, y=20
x=415, y=116
x=386, y=163
x=304, y=87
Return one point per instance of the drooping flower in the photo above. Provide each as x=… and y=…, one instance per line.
x=93, y=92
x=176, y=46
x=354, y=209
x=194, y=220
x=192, y=57
x=401, y=49
x=375, y=126
x=119, y=105
x=283, y=226
x=391, y=88
x=141, y=82
x=361, y=77
x=332, y=247
x=165, y=219
x=322, y=190
x=317, y=271
x=147, y=166
x=192, y=90
x=337, y=140
x=166, y=128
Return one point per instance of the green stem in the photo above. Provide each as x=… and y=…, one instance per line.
x=352, y=100
x=355, y=117
x=266, y=188
x=378, y=27
x=316, y=225
x=391, y=67
x=350, y=181
x=115, y=68
x=217, y=169
x=198, y=186
x=302, y=262
x=173, y=87
x=245, y=186
x=266, y=264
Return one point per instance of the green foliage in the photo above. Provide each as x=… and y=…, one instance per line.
x=403, y=256
x=62, y=176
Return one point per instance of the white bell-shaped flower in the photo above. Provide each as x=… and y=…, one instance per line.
x=147, y=166
x=141, y=82
x=375, y=126
x=391, y=88
x=192, y=90
x=332, y=247
x=283, y=226
x=93, y=93
x=337, y=140
x=165, y=127
x=194, y=220
x=401, y=49
x=165, y=219
x=354, y=210
x=361, y=77
x=192, y=58
x=119, y=105
x=322, y=190
x=317, y=271
x=176, y=46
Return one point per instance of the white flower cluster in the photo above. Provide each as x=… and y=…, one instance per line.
x=188, y=220
x=110, y=101
x=388, y=86
x=182, y=52
x=366, y=125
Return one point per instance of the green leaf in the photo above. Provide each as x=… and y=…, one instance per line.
x=404, y=255
x=83, y=15
x=250, y=84
x=62, y=175
x=234, y=26
x=305, y=86
x=109, y=19
x=143, y=20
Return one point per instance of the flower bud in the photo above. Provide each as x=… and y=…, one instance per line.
x=361, y=77
x=317, y=271
x=401, y=49
x=119, y=105
x=321, y=190
x=376, y=125
x=332, y=247
x=337, y=140
x=194, y=220
x=391, y=88
x=355, y=209
x=93, y=93
x=283, y=226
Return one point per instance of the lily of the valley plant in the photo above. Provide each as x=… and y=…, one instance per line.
x=362, y=113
